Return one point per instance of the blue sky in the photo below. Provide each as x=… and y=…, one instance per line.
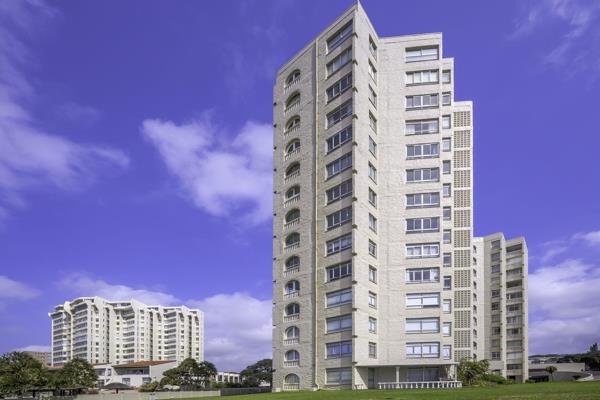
x=115, y=115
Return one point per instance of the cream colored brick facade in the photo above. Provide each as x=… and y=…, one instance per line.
x=301, y=208
x=504, y=267
x=120, y=332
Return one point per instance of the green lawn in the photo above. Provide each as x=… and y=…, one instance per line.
x=541, y=391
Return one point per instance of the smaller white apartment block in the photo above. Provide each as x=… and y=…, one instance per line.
x=133, y=374
x=121, y=332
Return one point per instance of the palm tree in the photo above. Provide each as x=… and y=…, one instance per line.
x=551, y=369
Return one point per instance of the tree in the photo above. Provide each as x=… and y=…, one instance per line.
x=189, y=373
x=261, y=371
x=74, y=373
x=207, y=372
x=19, y=373
x=551, y=369
x=470, y=372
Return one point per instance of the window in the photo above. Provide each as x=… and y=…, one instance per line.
x=447, y=236
x=446, y=144
x=292, y=215
x=339, y=165
x=372, y=223
x=421, y=127
x=419, y=200
x=338, y=324
x=292, y=287
x=372, y=173
x=422, y=300
x=293, y=146
x=292, y=379
x=447, y=282
x=372, y=325
x=447, y=260
x=339, y=87
x=447, y=213
x=423, y=150
x=339, y=217
x=292, y=355
x=292, y=78
x=292, y=239
x=446, y=189
x=513, y=307
x=372, y=274
x=421, y=101
x=338, y=62
x=422, y=54
x=338, y=139
x=447, y=351
x=423, y=250
x=447, y=328
x=339, y=271
x=422, y=350
x=339, y=376
x=372, y=248
x=339, y=191
x=372, y=47
x=425, y=224
x=446, y=76
x=292, y=101
x=373, y=122
x=446, y=99
x=293, y=332
x=338, y=244
x=447, y=306
x=372, y=72
x=339, y=297
x=372, y=147
x=372, y=198
x=292, y=124
x=292, y=192
x=292, y=309
x=422, y=77
x=446, y=167
x=422, y=325
x=423, y=175
x=495, y=269
x=339, y=37
x=445, y=121
x=372, y=300
x=372, y=350
x=292, y=169
x=339, y=349
x=292, y=262
x=422, y=275
x=372, y=97
x=339, y=113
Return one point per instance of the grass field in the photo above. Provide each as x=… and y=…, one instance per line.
x=541, y=391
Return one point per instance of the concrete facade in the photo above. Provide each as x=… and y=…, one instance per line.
x=504, y=267
x=42, y=356
x=349, y=287
x=120, y=332
x=133, y=374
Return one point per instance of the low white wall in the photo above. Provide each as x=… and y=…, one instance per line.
x=134, y=395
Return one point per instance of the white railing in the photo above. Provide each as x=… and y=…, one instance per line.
x=292, y=317
x=420, y=385
x=291, y=84
x=291, y=200
x=292, y=246
x=291, y=271
x=292, y=176
x=291, y=341
x=294, y=363
x=293, y=222
x=291, y=153
x=291, y=386
x=291, y=130
x=292, y=106
x=292, y=294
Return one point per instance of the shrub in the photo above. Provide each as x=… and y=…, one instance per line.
x=149, y=387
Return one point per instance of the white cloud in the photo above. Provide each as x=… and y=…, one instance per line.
x=237, y=326
x=29, y=156
x=576, y=21
x=34, y=347
x=220, y=173
x=14, y=290
x=592, y=238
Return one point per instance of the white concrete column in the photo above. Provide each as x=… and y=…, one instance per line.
x=397, y=374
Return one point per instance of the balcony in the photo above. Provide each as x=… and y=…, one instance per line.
x=294, y=363
x=291, y=200
x=291, y=271
x=420, y=385
x=291, y=386
x=291, y=295
x=291, y=107
x=291, y=176
x=291, y=84
x=291, y=154
x=291, y=341
x=291, y=130
x=292, y=223
x=293, y=317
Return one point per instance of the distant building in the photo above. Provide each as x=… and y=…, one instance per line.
x=123, y=332
x=42, y=356
x=227, y=377
x=133, y=374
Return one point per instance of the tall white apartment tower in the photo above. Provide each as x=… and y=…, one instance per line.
x=504, y=266
x=119, y=332
x=373, y=283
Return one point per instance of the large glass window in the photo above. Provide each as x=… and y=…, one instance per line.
x=425, y=224
x=423, y=175
x=339, y=297
x=339, y=376
x=339, y=87
x=338, y=324
x=416, y=200
x=339, y=217
x=339, y=271
x=423, y=250
x=339, y=191
x=422, y=275
x=422, y=53
x=422, y=325
x=338, y=139
x=339, y=165
x=422, y=350
x=422, y=126
x=339, y=113
x=339, y=349
x=422, y=300
x=338, y=62
x=422, y=101
x=422, y=150
x=339, y=37
x=422, y=77
x=338, y=244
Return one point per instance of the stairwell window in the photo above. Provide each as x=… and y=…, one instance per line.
x=373, y=122
x=447, y=190
x=372, y=274
x=446, y=122
x=338, y=139
x=421, y=101
x=339, y=297
x=372, y=223
x=372, y=72
x=447, y=260
x=372, y=198
x=372, y=173
x=447, y=306
x=339, y=165
x=372, y=350
x=372, y=96
x=339, y=37
x=372, y=300
x=338, y=62
x=446, y=76
x=339, y=191
x=422, y=53
x=339, y=87
x=339, y=113
x=339, y=244
x=339, y=349
x=339, y=218
x=339, y=271
x=372, y=325
x=447, y=213
x=446, y=144
x=373, y=248
x=338, y=324
x=372, y=48
x=372, y=147
x=447, y=282
x=446, y=98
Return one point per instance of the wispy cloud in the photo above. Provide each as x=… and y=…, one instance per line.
x=237, y=326
x=29, y=156
x=12, y=290
x=34, y=347
x=591, y=238
x=221, y=173
x=574, y=29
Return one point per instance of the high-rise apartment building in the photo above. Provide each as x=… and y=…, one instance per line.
x=504, y=265
x=121, y=332
x=373, y=222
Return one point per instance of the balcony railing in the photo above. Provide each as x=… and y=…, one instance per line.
x=291, y=84
x=291, y=341
x=293, y=317
x=291, y=295
x=291, y=271
x=293, y=222
x=292, y=246
x=291, y=154
x=420, y=385
x=291, y=130
x=292, y=106
x=291, y=200
x=294, y=363
x=291, y=176
x=291, y=386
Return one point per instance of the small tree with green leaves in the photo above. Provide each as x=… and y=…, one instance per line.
x=207, y=372
x=551, y=369
x=260, y=371
x=471, y=371
x=19, y=373
x=75, y=373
